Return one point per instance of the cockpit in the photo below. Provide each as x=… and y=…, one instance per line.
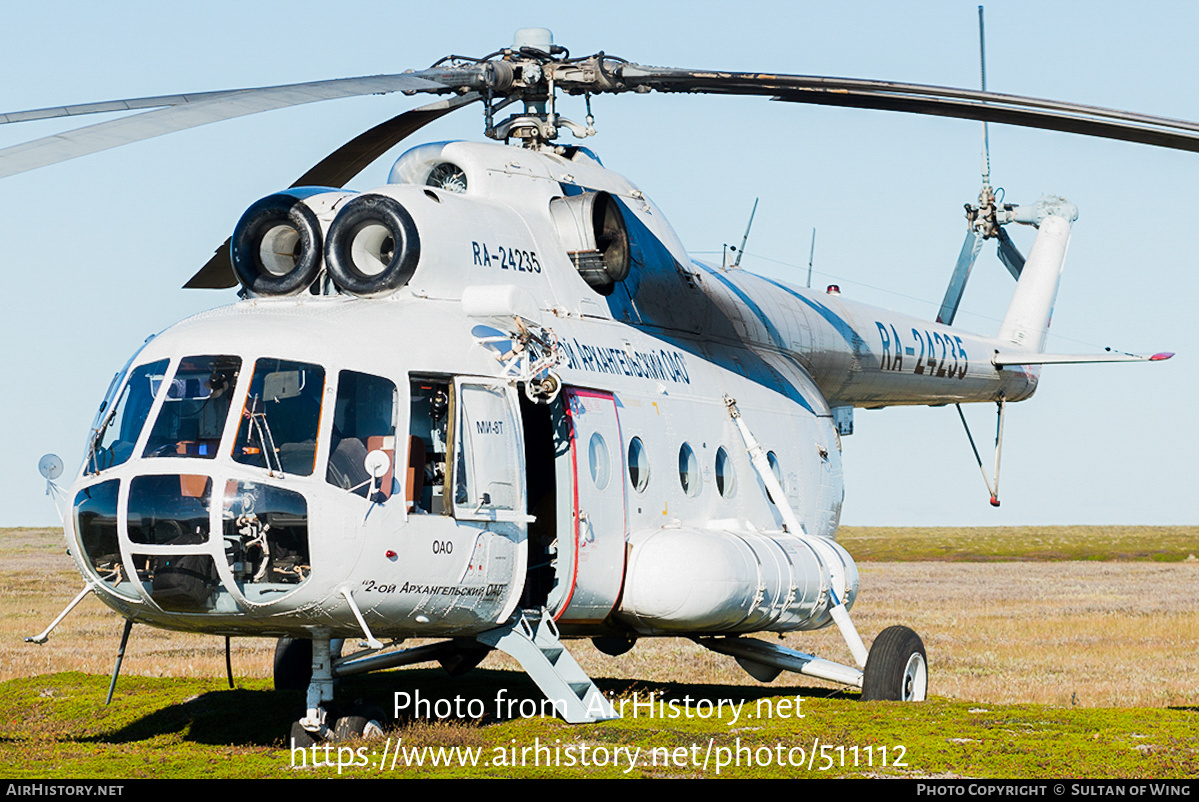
x=168, y=505
x=206, y=475
x=173, y=438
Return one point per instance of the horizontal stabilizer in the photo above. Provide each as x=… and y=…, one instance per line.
x=1000, y=360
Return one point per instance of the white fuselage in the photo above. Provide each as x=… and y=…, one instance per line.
x=224, y=492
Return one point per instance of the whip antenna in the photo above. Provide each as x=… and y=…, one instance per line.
x=982, y=68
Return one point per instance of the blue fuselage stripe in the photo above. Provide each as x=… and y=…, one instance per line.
x=775, y=335
x=854, y=340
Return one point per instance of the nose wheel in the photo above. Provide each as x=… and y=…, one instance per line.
x=897, y=667
x=355, y=727
x=293, y=664
x=358, y=724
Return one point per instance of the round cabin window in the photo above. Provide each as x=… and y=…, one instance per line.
x=688, y=471
x=726, y=480
x=638, y=465
x=598, y=460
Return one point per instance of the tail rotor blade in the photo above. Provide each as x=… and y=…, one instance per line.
x=1010, y=255
x=961, y=272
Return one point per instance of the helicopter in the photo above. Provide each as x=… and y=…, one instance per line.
x=528, y=382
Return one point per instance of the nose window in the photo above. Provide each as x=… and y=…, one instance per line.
x=96, y=528
x=265, y=532
x=170, y=510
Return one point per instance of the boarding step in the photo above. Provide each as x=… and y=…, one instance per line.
x=532, y=639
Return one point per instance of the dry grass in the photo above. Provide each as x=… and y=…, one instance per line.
x=1021, y=543
x=1092, y=634
x=1095, y=634
x=38, y=578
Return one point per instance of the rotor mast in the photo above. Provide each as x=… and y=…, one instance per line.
x=531, y=67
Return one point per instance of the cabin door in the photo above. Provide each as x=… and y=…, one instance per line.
x=592, y=559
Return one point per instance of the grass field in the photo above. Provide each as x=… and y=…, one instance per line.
x=1022, y=543
x=1054, y=652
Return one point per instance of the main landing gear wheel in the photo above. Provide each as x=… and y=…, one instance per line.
x=293, y=664
x=896, y=668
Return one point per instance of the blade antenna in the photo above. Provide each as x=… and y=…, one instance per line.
x=741, y=250
x=811, y=257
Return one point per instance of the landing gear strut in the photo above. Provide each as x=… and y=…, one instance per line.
x=321, y=721
x=896, y=668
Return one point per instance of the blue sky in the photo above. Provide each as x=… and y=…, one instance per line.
x=95, y=250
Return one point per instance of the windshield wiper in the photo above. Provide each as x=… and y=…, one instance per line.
x=98, y=433
x=265, y=439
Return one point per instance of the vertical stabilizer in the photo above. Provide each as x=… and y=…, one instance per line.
x=1026, y=323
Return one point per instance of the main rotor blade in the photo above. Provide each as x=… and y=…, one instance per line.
x=597, y=74
x=923, y=99
x=101, y=107
x=190, y=112
x=1010, y=255
x=961, y=273
x=353, y=157
x=336, y=170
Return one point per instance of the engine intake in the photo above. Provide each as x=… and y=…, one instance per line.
x=276, y=246
x=373, y=246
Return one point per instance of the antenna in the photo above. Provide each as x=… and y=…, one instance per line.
x=741, y=250
x=982, y=68
x=811, y=256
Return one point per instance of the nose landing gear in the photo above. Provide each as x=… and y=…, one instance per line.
x=322, y=721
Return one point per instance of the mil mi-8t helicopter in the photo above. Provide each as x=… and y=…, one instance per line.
x=605, y=438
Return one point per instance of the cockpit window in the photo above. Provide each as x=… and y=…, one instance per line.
x=281, y=416
x=116, y=432
x=192, y=417
x=363, y=421
x=428, y=419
